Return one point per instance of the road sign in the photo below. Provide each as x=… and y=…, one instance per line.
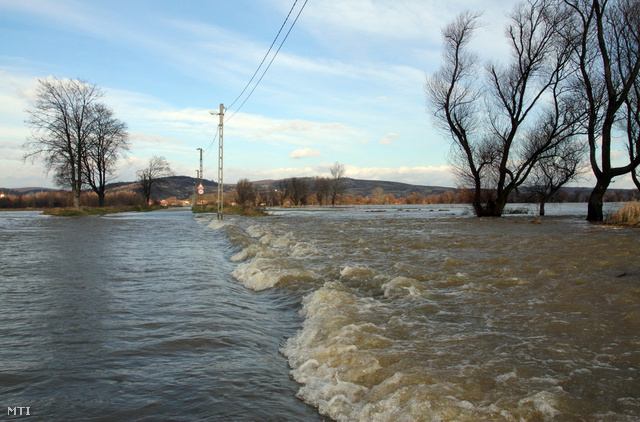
x=200, y=189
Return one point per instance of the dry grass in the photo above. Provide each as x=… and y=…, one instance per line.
x=627, y=215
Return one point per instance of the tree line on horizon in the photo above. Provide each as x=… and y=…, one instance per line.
x=246, y=193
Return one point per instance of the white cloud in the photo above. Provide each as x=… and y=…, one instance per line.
x=256, y=128
x=305, y=152
x=254, y=174
x=423, y=175
x=388, y=139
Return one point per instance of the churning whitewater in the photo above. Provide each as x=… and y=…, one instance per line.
x=426, y=314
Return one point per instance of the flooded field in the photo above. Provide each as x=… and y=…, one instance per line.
x=364, y=314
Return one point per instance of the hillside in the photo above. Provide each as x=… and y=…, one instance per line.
x=366, y=187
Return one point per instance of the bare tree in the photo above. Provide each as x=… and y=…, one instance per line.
x=489, y=119
x=322, y=187
x=606, y=56
x=378, y=195
x=157, y=168
x=62, y=122
x=245, y=191
x=108, y=142
x=631, y=125
x=552, y=171
x=296, y=189
x=337, y=182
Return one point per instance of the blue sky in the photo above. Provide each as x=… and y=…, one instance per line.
x=347, y=85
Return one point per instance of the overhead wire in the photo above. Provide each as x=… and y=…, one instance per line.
x=272, y=59
x=266, y=55
x=208, y=149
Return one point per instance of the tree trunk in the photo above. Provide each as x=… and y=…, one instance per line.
x=491, y=207
x=596, y=201
x=76, y=197
x=635, y=179
x=542, y=203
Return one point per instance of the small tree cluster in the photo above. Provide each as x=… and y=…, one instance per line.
x=76, y=135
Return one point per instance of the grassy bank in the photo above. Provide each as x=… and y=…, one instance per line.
x=627, y=215
x=231, y=210
x=75, y=212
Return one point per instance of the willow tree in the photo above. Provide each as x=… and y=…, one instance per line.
x=606, y=58
x=490, y=115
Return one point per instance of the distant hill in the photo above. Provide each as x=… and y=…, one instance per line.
x=399, y=190
x=26, y=191
x=366, y=187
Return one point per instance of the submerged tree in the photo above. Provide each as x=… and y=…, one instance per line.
x=157, y=168
x=605, y=37
x=490, y=116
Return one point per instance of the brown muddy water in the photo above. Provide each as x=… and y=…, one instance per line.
x=364, y=314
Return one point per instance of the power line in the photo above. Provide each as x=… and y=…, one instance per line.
x=272, y=59
x=266, y=55
x=208, y=149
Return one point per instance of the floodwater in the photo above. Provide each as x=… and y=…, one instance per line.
x=420, y=313
x=136, y=317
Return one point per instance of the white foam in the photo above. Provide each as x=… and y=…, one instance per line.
x=255, y=231
x=248, y=252
x=263, y=273
x=507, y=376
x=544, y=402
x=332, y=359
x=255, y=274
x=217, y=224
x=357, y=272
x=403, y=286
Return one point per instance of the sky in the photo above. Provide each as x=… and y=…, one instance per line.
x=346, y=86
